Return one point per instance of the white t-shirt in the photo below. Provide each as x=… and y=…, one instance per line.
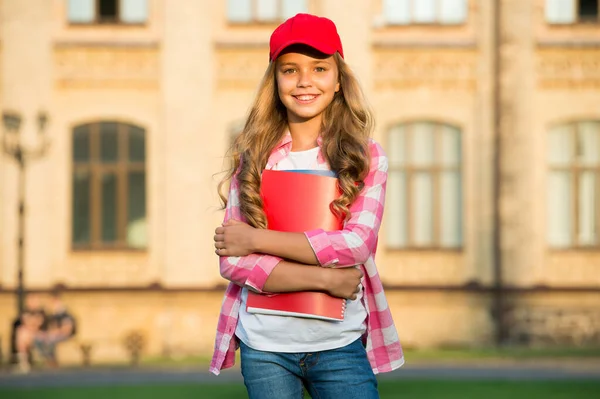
x=295, y=334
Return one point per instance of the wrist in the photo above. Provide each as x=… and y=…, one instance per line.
x=324, y=278
x=257, y=240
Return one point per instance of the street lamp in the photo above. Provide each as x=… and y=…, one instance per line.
x=13, y=145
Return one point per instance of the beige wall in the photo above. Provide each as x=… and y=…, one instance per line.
x=184, y=323
x=188, y=78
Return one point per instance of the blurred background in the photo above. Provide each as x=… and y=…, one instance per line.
x=117, y=115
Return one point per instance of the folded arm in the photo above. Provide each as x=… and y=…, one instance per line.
x=286, y=276
x=342, y=248
x=269, y=273
x=337, y=249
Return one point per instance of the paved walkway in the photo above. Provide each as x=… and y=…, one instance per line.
x=533, y=370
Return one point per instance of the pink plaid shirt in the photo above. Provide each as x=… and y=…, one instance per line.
x=354, y=245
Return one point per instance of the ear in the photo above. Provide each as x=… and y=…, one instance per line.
x=337, y=87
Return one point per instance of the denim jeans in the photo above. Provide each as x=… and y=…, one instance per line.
x=332, y=374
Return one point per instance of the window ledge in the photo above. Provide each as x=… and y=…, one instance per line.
x=424, y=249
x=396, y=43
x=126, y=43
x=253, y=24
x=108, y=25
x=248, y=38
x=116, y=252
x=574, y=250
x=593, y=22
x=575, y=43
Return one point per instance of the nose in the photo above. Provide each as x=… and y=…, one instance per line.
x=304, y=79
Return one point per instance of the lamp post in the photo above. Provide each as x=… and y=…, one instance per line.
x=14, y=146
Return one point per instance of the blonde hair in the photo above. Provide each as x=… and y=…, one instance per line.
x=346, y=128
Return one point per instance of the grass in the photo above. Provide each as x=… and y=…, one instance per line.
x=427, y=355
x=388, y=390
x=514, y=353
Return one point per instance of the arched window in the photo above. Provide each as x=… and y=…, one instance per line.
x=424, y=191
x=109, y=186
x=573, y=196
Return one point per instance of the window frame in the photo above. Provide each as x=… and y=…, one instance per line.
x=576, y=170
x=585, y=21
x=96, y=170
x=577, y=18
x=435, y=171
x=436, y=23
x=117, y=21
x=254, y=20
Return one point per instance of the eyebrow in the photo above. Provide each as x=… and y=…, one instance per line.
x=316, y=62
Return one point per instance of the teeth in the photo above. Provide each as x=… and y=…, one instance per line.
x=305, y=98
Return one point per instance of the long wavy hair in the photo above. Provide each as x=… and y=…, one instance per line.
x=346, y=128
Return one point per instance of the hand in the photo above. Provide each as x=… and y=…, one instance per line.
x=344, y=282
x=234, y=238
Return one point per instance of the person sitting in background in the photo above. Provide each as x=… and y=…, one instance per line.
x=26, y=328
x=61, y=327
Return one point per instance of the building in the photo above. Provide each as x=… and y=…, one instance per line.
x=489, y=112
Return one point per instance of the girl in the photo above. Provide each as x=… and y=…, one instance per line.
x=309, y=113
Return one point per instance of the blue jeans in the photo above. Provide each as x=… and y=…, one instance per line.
x=332, y=374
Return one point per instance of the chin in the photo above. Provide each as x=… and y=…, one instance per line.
x=307, y=113
x=306, y=117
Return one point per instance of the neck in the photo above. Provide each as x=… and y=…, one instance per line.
x=304, y=133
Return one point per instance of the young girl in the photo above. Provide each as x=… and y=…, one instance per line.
x=309, y=113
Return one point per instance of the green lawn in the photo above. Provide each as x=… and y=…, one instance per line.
x=515, y=353
x=426, y=389
x=425, y=355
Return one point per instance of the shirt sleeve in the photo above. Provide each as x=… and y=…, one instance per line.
x=251, y=270
x=358, y=240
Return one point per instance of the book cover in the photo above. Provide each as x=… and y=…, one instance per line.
x=309, y=304
x=298, y=201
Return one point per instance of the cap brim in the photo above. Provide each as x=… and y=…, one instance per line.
x=320, y=47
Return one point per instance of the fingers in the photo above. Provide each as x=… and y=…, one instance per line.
x=221, y=252
x=355, y=293
x=219, y=239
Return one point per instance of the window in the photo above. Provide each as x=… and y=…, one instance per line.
x=406, y=12
x=109, y=186
x=263, y=11
x=573, y=208
x=572, y=11
x=424, y=191
x=107, y=11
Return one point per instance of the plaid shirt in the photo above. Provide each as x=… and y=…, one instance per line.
x=354, y=245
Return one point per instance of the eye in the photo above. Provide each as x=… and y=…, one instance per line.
x=320, y=69
x=289, y=70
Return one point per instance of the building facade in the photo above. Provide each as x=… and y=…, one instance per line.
x=489, y=112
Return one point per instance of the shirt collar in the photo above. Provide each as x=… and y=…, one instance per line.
x=284, y=147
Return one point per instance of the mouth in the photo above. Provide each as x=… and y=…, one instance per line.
x=305, y=98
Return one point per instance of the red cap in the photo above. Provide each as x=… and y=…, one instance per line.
x=317, y=32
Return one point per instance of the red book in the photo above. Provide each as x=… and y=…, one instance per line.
x=297, y=202
x=309, y=304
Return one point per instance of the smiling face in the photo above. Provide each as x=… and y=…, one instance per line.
x=306, y=82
